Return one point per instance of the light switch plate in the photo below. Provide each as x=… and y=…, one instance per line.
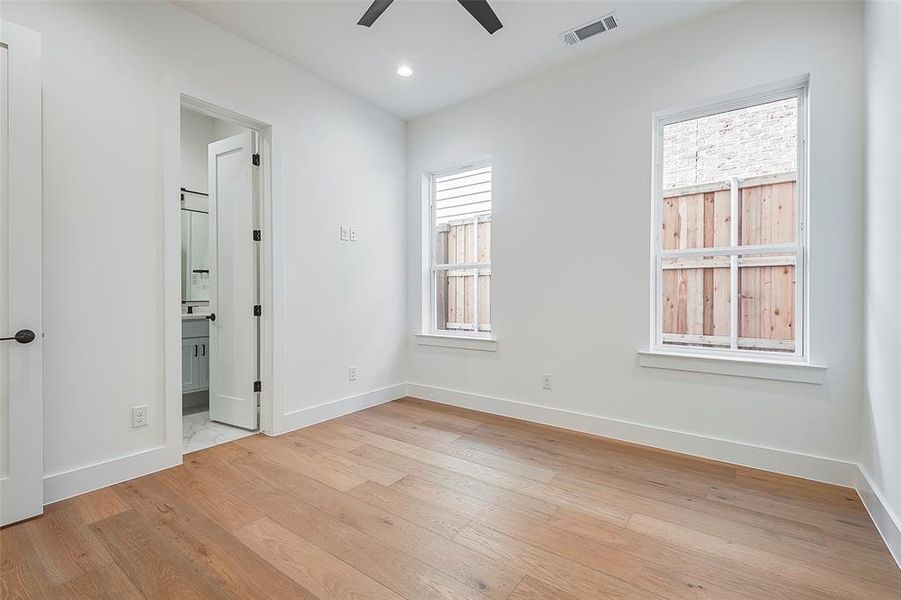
x=351, y=373
x=345, y=233
x=353, y=234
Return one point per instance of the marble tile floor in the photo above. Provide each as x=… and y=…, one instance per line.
x=198, y=432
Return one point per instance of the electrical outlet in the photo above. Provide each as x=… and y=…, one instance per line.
x=139, y=416
x=345, y=233
x=351, y=373
x=545, y=382
x=353, y=234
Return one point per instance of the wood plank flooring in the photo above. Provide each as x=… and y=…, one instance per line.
x=417, y=501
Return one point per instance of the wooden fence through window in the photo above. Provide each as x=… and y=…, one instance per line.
x=456, y=304
x=696, y=290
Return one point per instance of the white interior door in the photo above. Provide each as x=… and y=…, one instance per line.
x=234, y=333
x=21, y=427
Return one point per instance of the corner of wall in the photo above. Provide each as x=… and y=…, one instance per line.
x=887, y=522
x=335, y=408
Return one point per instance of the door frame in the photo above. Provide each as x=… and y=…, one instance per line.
x=24, y=181
x=272, y=283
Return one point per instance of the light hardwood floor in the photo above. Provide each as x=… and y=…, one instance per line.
x=416, y=500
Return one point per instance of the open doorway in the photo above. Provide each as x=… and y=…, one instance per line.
x=220, y=202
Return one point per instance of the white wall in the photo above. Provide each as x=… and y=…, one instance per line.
x=882, y=408
x=571, y=151
x=106, y=71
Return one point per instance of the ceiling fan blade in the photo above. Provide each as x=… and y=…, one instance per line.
x=374, y=12
x=483, y=14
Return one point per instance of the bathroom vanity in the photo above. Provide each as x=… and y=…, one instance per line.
x=195, y=354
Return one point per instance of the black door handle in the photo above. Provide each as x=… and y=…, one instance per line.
x=211, y=316
x=23, y=336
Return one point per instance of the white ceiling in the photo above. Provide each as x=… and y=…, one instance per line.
x=452, y=56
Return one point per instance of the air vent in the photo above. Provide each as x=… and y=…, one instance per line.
x=583, y=32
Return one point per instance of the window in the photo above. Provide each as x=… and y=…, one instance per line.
x=729, y=234
x=460, y=263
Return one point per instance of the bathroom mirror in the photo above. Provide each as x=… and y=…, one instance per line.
x=195, y=249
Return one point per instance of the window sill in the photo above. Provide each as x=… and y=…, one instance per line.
x=484, y=344
x=738, y=367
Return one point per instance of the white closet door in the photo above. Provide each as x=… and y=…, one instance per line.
x=233, y=285
x=21, y=412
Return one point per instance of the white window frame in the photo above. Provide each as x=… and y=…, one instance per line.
x=433, y=267
x=794, y=88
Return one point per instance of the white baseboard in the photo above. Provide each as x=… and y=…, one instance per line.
x=329, y=410
x=818, y=468
x=828, y=470
x=82, y=480
x=887, y=522
x=66, y=484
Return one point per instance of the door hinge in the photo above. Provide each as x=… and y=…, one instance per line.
x=258, y=386
x=257, y=310
x=256, y=160
x=257, y=235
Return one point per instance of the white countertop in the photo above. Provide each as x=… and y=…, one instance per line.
x=193, y=316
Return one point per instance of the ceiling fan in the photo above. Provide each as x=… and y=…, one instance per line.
x=477, y=8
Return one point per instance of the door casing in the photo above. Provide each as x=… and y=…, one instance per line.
x=271, y=274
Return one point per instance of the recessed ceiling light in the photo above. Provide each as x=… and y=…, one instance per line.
x=404, y=70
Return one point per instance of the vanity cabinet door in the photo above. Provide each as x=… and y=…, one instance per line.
x=203, y=364
x=190, y=365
